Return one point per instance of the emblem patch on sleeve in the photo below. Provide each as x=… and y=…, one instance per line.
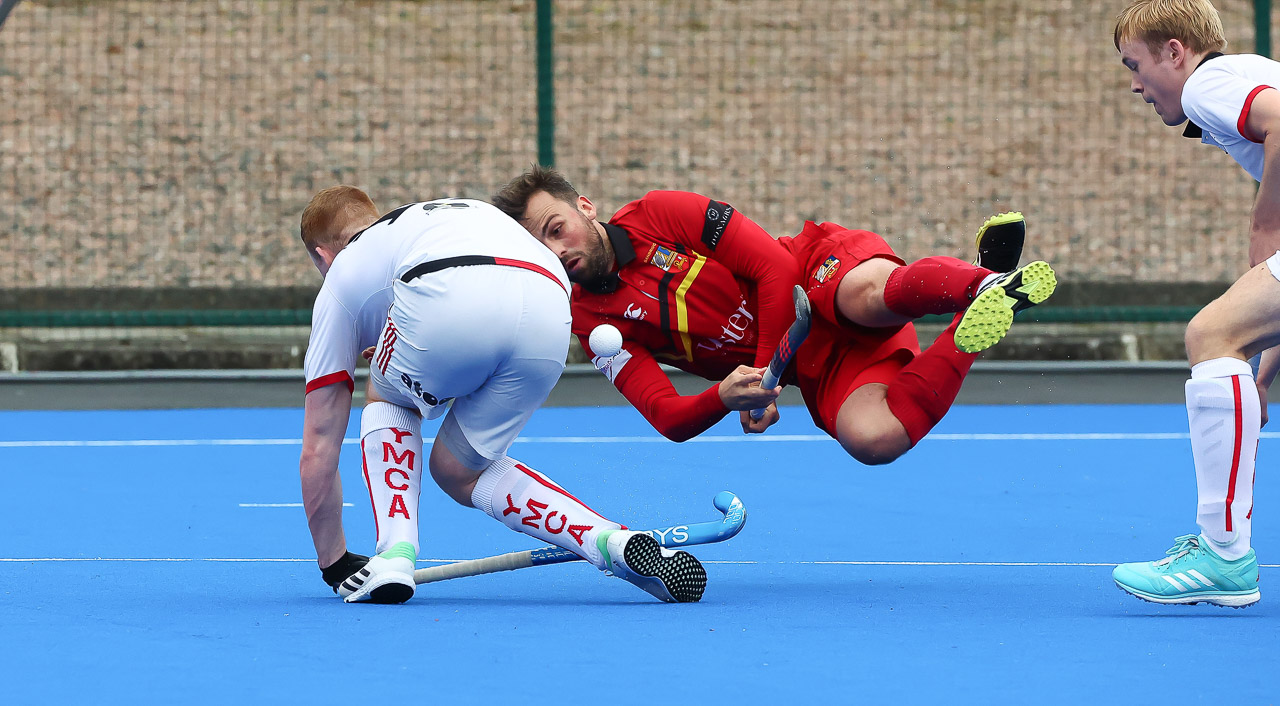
x=717, y=220
x=827, y=269
x=667, y=259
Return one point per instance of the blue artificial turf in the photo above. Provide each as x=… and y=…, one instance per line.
x=933, y=622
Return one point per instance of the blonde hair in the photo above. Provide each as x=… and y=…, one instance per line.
x=334, y=215
x=1195, y=23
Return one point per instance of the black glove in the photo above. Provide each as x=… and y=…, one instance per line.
x=340, y=570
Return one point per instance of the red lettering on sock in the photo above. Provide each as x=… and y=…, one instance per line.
x=536, y=508
x=511, y=507
x=389, y=455
x=556, y=530
x=391, y=484
x=398, y=507
x=400, y=435
x=576, y=531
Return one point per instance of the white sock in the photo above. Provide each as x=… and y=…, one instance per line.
x=391, y=444
x=529, y=502
x=1226, y=418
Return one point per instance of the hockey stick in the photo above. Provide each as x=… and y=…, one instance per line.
x=791, y=340
x=735, y=516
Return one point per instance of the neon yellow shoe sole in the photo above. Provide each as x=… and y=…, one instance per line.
x=989, y=317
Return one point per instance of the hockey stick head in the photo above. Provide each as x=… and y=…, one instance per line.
x=735, y=517
x=801, y=301
x=735, y=514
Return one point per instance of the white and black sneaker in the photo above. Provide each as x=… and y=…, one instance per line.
x=387, y=578
x=674, y=576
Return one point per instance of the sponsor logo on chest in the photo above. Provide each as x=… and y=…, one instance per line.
x=634, y=312
x=734, y=330
x=666, y=259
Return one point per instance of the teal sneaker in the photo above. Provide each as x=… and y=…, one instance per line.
x=1192, y=573
x=673, y=576
x=387, y=578
x=990, y=315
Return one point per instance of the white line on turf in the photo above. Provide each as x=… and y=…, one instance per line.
x=762, y=439
x=282, y=505
x=713, y=561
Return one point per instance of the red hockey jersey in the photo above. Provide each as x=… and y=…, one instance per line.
x=699, y=287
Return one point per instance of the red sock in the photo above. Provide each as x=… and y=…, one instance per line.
x=923, y=392
x=934, y=285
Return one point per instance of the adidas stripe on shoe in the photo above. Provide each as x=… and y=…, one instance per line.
x=387, y=578
x=1192, y=573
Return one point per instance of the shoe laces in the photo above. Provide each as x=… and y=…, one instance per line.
x=1188, y=545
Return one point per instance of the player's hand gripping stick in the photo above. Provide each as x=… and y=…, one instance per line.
x=791, y=340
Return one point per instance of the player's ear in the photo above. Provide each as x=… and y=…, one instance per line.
x=587, y=208
x=325, y=254
x=1175, y=51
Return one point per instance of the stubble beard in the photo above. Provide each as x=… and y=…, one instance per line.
x=595, y=273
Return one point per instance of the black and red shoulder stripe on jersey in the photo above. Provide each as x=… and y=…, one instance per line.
x=467, y=260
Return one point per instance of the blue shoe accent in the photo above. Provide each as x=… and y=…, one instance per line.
x=1192, y=573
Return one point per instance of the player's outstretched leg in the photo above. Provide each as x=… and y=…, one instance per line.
x=1000, y=241
x=989, y=317
x=531, y=503
x=673, y=576
x=1192, y=573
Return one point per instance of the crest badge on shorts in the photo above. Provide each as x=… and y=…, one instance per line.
x=827, y=269
x=666, y=259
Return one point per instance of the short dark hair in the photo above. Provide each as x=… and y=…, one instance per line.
x=513, y=198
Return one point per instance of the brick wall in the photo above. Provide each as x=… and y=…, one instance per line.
x=174, y=144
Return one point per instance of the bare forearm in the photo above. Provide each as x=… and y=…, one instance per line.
x=322, y=498
x=324, y=424
x=1264, y=234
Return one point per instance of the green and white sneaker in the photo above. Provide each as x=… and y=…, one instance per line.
x=1192, y=573
x=387, y=578
x=990, y=315
x=673, y=576
x=999, y=242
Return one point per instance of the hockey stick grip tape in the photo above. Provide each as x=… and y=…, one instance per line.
x=791, y=340
x=474, y=567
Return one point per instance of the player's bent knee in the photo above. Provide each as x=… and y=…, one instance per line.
x=860, y=294
x=1207, y=337
x=454, y=478
x=875, y=449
